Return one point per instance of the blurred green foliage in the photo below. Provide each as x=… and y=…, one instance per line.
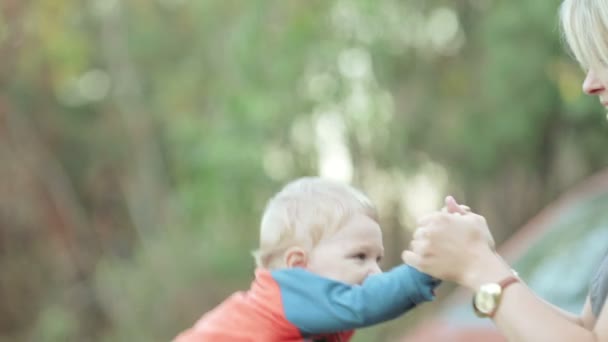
x=139, y=140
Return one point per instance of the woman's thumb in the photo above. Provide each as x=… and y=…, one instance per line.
x=453, y=207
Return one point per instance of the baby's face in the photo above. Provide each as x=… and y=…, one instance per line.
x=350, y=255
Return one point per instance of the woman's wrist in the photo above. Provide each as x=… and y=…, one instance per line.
x=489, y=267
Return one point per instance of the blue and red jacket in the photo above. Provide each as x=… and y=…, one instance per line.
x=293, y=304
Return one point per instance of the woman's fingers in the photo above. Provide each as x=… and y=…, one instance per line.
x=420, y=233
x=419, y=247
x=451, y=206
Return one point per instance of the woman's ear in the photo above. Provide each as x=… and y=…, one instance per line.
x=296, y=257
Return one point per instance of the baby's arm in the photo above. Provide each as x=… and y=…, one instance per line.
x=316, y=304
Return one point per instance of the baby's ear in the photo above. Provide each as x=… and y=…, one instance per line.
x=296, y=257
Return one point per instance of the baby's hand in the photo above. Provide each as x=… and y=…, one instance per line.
x=448, y=246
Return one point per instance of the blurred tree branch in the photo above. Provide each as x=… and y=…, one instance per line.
x=146, y=187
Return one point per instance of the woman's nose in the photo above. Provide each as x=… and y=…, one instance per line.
x=592, y=85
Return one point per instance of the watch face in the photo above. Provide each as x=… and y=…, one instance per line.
x=486, y=299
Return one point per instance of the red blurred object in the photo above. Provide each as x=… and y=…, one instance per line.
x=440, y=331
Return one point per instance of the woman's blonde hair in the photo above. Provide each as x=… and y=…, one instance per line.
x=584, y=26
x=305, y=211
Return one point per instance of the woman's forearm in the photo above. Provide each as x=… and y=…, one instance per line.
x=522, y=316
x=454, y=247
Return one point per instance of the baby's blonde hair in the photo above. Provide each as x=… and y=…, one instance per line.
x=584, y=26
x=305, y=211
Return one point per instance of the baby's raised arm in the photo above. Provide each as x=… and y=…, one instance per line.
x=320, y=305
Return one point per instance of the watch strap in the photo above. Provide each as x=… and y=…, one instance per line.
x=503, y=285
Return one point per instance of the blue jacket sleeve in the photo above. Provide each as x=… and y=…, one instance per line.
x=319, y=305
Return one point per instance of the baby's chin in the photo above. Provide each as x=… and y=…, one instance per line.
x=349, y=281
x=343, y=279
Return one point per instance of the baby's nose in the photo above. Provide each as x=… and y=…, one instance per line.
x=375, y=269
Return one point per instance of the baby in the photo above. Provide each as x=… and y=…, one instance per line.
x=317, y=276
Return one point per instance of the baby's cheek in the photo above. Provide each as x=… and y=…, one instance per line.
x=361, y=275
x=347, y=274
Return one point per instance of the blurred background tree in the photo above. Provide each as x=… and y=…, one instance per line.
x=139, y=140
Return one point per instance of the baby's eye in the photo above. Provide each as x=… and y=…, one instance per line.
x=360, y=256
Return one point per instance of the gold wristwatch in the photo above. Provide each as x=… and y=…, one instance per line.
x=487, y=298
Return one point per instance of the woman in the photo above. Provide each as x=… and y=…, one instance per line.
x=453, y=245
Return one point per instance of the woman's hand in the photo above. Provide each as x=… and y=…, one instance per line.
x=451, y=206
x=450, y=245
